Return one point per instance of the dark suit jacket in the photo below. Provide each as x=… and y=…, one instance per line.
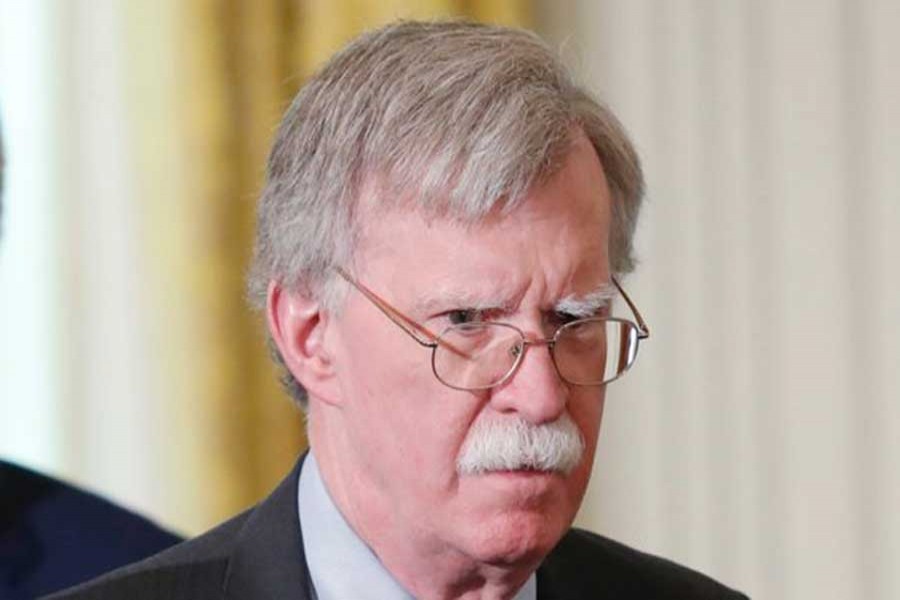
x=53, y=536
x=258, y=555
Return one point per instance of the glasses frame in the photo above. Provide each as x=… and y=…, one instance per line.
x=427, y=338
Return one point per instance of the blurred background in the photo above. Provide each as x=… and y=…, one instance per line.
x=757, y=439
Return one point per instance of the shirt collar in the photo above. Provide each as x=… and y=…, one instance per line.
x=341, y=565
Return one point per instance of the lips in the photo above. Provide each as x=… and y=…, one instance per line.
x=524, y=472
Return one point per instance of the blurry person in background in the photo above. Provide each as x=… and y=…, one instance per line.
x=439, y=246
x=53, y=535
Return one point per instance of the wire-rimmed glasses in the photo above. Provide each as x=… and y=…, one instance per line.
x=484, y=354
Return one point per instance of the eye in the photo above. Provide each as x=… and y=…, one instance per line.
x=465, y=315
x=562, y=318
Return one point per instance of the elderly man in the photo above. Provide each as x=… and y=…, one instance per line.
x=438, y=248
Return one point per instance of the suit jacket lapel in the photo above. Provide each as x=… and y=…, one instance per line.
x=268, y=561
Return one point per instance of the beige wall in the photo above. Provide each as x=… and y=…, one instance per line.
x=757, y=438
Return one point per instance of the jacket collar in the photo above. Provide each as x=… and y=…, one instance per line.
x=268, y=561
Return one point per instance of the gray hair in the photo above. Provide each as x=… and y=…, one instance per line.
x=453, y=118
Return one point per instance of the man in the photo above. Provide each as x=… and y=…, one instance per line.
x=53, y=535
x=438, y=244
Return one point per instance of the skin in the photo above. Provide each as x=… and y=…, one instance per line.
x=386, y=433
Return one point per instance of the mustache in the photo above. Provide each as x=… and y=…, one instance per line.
x=506, y=444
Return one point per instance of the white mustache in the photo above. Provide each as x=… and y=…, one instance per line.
x=506, y=444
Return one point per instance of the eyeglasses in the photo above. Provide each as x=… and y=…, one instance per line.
x=482, y=355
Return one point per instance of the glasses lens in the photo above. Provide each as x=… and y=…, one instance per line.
x=595, y=351
x=475, y=356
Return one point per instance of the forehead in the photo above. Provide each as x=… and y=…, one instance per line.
x=559, y=233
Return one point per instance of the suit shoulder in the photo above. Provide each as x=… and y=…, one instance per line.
x=585, y=564
x=59, y=535
x=194, y=570
x=47, y=506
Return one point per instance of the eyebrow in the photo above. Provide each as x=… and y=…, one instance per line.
x=589, y=304
x=445, y=298
x=577, y=305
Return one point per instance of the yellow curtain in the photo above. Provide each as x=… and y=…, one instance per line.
x=211, y=80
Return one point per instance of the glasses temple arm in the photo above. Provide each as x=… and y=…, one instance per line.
x=410, y=327
x=413, y=329
x=642, y=325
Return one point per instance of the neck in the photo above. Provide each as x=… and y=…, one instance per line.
x=426, y=568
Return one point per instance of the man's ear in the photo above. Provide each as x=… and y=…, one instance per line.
x=297, y=325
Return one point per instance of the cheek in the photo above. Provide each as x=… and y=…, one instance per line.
x=379, y=364
x=586, y=410
x=401, y=413
x=435, y=422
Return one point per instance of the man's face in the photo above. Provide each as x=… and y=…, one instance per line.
x=404, y=429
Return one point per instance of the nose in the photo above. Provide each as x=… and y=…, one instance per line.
x=535, y=391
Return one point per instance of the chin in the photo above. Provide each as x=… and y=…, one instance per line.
x=516, y=536
x=518, y=517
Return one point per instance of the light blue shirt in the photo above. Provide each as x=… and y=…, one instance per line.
x=341, y=565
